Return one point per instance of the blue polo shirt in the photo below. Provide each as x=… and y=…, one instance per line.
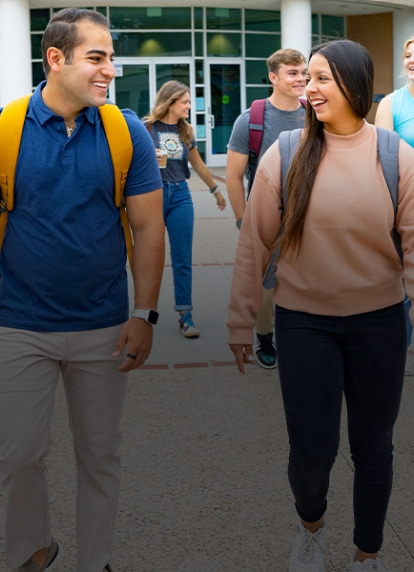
x=62, y=263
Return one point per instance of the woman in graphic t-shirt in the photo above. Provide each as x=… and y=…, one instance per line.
x=173, y=135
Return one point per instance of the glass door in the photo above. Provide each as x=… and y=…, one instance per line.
x=131, y=87
x=137, y=81
x=224, y=105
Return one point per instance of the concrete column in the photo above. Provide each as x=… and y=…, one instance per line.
x=296, y=23
x=15, y=50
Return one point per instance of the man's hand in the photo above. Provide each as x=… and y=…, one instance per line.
x=137, y=336
x=243, y=354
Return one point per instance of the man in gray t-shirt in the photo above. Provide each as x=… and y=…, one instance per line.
x=283, y=112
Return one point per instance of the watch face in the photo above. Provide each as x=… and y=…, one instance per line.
x=152, y=317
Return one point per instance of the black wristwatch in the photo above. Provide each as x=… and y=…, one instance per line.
x=238, y=223
x=150, y=316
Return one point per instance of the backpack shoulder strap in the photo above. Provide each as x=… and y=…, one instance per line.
x=11, y=128
x=388, y=148
x=256, y=127
x=121, y=149
x=120, y=145
x=288, y=144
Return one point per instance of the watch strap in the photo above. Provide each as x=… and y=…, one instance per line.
x=150, y=316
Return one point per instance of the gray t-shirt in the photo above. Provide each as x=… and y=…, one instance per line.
x=275, y=121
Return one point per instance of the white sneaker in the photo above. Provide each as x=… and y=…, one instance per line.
x=369, y=565
x=187, y=327
x=308, y=549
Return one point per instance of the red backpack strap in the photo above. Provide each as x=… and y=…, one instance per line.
x=256, y=126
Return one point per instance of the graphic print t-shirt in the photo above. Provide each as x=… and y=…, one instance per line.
x=166, y=138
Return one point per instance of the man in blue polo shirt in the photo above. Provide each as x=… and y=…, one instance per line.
x=63, y=295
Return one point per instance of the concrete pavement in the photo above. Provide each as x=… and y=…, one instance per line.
x=204, y=485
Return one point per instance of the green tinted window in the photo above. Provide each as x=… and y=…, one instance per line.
x=199, y=71
x=200, y=103
x=256, y=72
x=131, y=90
x=261, y=45
x=150, y=18
x=257, y=93
x=223, y=19
x=262, y=21
x=198, y=18
x=201, y=147
x=198, y=44
x=39, y=19
x=36, y=40
x=333, y=26
x=225, y=45
x=166, y=72
x=37, y=73
x=146, y=44
x=315, y=24
x=200, y=127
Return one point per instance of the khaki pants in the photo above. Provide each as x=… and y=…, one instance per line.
x=265, y=321
x=30, y=364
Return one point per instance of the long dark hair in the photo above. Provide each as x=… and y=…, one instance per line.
x=353, y=71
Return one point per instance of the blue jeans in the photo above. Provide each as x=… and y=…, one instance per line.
x=179, y=221
x=320, y=359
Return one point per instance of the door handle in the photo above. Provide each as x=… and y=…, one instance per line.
x=211, y=122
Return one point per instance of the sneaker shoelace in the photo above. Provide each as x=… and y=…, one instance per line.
x=266, y=346
x=310, y=548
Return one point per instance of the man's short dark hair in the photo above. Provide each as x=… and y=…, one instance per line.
x=62, y=32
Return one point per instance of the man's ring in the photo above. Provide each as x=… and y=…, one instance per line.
x=131, y=356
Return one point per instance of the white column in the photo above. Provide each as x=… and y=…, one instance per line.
x=296, y=23
x=15, y=50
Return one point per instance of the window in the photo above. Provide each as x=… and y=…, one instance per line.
x=223, y=19
x=150, y=18
x=262, y=21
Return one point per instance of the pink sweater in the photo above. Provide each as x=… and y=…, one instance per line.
x=347, y=263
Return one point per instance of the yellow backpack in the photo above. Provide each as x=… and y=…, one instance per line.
x=120, y=145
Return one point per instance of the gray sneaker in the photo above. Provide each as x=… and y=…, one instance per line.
x=308, y=550
x=369, y=565
x=54, y=555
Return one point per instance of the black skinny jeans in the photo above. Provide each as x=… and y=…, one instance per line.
x=320, y=359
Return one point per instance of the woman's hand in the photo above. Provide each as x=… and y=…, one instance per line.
x=243, y=354
x=221, y=201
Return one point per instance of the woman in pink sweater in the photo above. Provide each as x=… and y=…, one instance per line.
x=340, y=327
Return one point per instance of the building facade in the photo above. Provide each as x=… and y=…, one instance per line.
x=218, y=48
